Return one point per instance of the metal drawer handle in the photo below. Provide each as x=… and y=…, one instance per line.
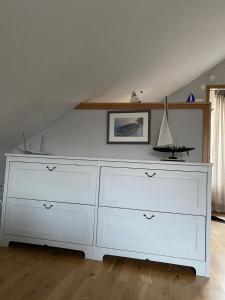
x=51, y=169
x=149, y=218
x=48, y=207
x=146, y=173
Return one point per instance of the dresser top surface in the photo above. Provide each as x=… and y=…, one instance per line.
x=146, y=161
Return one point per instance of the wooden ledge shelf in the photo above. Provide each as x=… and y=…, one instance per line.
x=141, y=106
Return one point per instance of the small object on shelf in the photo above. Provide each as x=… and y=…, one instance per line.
x=135, y=98
x=191, y=98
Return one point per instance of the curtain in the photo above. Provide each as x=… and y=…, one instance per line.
x=217, y=151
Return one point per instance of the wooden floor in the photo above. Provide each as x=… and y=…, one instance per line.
x=40, y=273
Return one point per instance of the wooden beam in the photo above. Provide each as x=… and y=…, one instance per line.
x=206, y=133
x=139, y=106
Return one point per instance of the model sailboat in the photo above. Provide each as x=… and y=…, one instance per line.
x=165, y=140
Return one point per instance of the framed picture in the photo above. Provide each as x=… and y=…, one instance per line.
x=128, y=127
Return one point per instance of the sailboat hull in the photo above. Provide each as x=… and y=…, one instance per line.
x=172, y=150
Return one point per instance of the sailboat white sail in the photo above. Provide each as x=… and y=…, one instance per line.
x=165, y=137
x=165, y=140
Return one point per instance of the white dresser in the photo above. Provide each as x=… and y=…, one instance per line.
x=152, y=210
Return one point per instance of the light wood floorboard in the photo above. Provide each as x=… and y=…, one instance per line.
x=40, y=273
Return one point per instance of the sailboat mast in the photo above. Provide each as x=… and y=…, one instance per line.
x=166, y=108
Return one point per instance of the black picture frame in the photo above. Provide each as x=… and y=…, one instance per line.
x=112, y=139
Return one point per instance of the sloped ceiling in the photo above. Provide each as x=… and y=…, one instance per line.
x=54, y=53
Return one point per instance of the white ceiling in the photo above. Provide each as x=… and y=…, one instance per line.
x=54, y=53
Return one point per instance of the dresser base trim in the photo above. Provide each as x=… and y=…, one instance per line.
x=6, y=239
x=199, y=266
x=96, y=253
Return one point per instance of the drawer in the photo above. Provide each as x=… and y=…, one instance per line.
x=71, y=223
x=152, y=232
x=150, y=189
x=53, y=182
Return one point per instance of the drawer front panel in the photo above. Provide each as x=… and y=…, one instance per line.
x=52, y=221
x=53, y=182
x=164, y=234
x=158, y=190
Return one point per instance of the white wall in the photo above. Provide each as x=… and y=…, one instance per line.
x=195, y=86
x=83, y=133
x=57, y=53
